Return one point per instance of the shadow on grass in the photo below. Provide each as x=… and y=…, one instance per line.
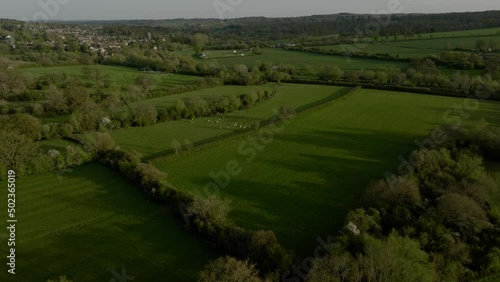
x=341, y=163
x=142, y=237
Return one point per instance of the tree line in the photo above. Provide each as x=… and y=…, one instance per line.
x=433, y=222
x=207, y=216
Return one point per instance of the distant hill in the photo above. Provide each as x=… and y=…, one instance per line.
x=343, y=23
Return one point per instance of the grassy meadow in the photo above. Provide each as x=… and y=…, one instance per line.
x=120, y=76
x=171, y=100
x=58, y=144
x=88, y=221
x=414, y=48
x=303, y=183
x=459, y=33
x=298, y=59
x=157, y=139
x=434, y=35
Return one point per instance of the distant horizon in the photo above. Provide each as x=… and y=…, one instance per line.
x=244, y=17
x=123, y=10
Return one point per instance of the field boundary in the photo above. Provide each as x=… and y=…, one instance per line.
x=415, y=39
x=393, y=88
x=218, y=140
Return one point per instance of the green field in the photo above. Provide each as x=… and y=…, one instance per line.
x=58, y=144
x=434, y=35
x=89, y=221
x=414, y=48
x=304, y=182
x=452, y=34
x=171, y=100
x=121, y=76
x=298, y=59
x=156, y=139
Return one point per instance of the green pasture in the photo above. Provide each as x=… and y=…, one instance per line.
x=120, y=76
x=298, y=59
x=302, y=184
x=415, y=48
x=88, y=221
x=171, y=100
x=58, y=144
x=453, y=34
x=156, y=140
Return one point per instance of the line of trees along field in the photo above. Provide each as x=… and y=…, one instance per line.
x=434, y=222
x=100, y=106
x=21, y=131
x=207, y=216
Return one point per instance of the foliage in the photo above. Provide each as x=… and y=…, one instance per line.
x=61, y=278
x=229, y=269
x=395, y=258
x=209, y=212
x=443, y=244
x=144, y=114
x=330, y=73
x=463, y=213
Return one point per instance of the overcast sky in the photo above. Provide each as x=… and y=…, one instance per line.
x=165, y=9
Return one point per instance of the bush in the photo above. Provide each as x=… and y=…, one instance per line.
x=249, y=99
x=286, y=113
x=75, y=156
x=402, y=191
x=330, y=73
x=144, y=114
x=61, y=278
x=463, y=214
x=150, y=177
x=265, y=249
x=209, y=213
x=235, y=103
x=26, y=125
x=198, y=106
x=392, y=259
x=229, y=269
x=365, y=221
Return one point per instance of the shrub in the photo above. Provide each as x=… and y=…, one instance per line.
x=265, y=249
x=104, y=143
x=402, y=191
x=61, y=278
x=209, y=213
x=144, y=114
x=26, y=125
x=392, y=259
x=365, y=221
x=249, y=99
x=229, y=269
x=462, y=213
x=149, y=176
x=75, y=156
x=197, y=105
x=286, y=112
x=330, y=73
x=235, y=103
